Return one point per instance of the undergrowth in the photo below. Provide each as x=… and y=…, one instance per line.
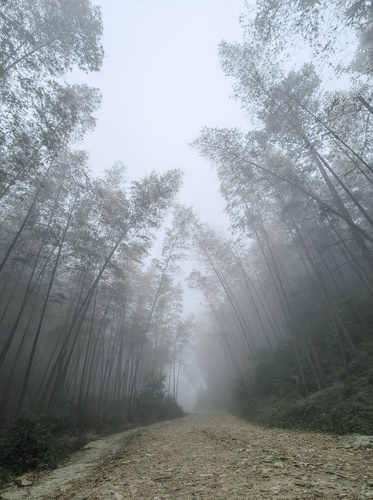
x=34, y=440
x=154, y=403
x=341, y=409
x=271, y=393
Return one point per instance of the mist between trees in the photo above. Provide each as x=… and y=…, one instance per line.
x=85, y=326
x=291, y=294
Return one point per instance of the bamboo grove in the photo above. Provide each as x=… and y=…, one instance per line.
x=290, y=294
x=85, y=318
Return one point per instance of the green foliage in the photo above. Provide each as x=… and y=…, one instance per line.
x=341, y=409
x=344, y=406
x=49, y=38
x=33, y=440
x=275, y=373
x=154, y=403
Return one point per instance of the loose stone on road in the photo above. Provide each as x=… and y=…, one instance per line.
x=212, y=456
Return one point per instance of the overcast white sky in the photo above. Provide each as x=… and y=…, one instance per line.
x=161, y=82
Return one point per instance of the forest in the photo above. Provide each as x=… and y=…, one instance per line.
x=290, y=294
x=94, y=331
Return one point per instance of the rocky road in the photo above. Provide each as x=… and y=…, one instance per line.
x=210, y=456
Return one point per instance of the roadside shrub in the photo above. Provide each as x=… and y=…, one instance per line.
x=329, y=410
x=338, y=400
x=32, y=440
x=154, y=402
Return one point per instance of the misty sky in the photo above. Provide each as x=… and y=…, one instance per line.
x=161, y=82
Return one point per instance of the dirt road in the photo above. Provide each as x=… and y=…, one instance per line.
x=210, y=456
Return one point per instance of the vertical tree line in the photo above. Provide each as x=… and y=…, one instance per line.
x=298, y=191
x=83, y=322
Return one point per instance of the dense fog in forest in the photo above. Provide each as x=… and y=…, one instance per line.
x=185, y=219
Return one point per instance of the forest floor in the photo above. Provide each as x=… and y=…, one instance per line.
x=210, y=455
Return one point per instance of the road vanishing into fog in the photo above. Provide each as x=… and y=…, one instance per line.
x=209, y=455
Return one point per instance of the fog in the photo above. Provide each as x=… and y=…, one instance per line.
x=186, y=207
x=161, y=82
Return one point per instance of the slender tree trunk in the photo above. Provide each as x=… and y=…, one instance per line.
x=46, y=301
x=24, y=222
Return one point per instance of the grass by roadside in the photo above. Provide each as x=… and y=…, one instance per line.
x=34, y=440
x=344, y=405
x=341, y=409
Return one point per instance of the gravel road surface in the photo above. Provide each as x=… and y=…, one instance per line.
x=210, y=455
